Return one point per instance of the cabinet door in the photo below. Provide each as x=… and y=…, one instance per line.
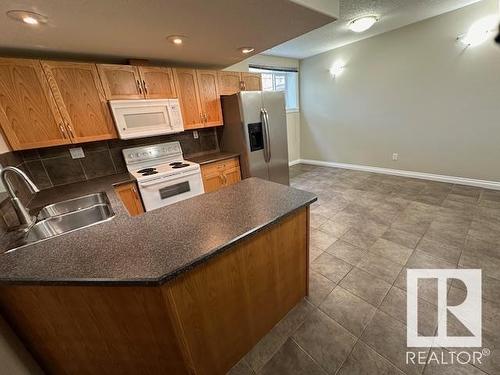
x=209, y=97
x=120, y=81
x=80, y=99
x=157, y=82
x=251, y=81
x=212, y=181
x=232, y=176
x=229, y=82
x=28, y=113
x=130, y=197
x=187, y=89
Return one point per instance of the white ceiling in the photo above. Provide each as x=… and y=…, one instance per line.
x=123, y=29
x=393, y=14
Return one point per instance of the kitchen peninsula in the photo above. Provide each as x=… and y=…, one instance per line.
x=169, y=291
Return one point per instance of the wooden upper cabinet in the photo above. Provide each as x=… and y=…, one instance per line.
x=251, y=81
x=120, y=81
x=187, y=89
x=229, y=82
x=80, y=98
x=209, y=97
x=157, y=82
x=28, y=113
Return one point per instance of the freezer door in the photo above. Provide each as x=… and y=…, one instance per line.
x=274, y=105
x=255, y=163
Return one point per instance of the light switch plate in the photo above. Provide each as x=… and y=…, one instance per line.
x=76, y=153
x=195, y=134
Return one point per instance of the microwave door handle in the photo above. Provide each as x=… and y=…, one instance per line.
x=268, y=135
x=264, y=130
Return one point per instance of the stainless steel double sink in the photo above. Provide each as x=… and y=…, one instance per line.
x=66, y=216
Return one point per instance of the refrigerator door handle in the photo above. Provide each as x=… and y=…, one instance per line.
x=268, y=135
x=265, y=137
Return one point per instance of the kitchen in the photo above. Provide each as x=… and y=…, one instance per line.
x=121, y=162
x=167, y=206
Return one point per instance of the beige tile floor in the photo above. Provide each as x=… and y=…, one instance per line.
x=366, y=230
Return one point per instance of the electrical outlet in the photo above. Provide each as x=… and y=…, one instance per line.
x=77, y=153
x=195, y=134
x=395, y=156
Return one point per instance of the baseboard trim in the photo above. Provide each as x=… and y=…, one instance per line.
x=294, y=162
x=495, y=185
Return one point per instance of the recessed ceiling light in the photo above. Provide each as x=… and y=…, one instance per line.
x=30, y=18
x=176, y=39
x=247, y=50
x=362, y=23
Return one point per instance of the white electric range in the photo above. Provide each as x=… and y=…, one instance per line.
x=162, y=174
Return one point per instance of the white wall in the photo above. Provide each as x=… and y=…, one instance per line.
x=292, y=118
x=412, y=91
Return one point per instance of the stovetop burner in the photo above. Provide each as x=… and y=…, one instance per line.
x=175, y=163
x=149, y=173
x=180, y=165
x=147, y=170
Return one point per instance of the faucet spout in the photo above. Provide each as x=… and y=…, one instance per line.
x=25, y=219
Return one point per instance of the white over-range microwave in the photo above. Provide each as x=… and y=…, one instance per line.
x=146, y=117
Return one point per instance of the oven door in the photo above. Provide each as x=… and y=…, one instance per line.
x=145, y=118
x=170, y=189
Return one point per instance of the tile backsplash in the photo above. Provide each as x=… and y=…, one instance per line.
x=54, y=165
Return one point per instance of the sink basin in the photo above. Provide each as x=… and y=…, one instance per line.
x=71, y=205
x=57, y=225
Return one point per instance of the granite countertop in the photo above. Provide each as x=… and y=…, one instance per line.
x=152, y=248
x=212, y=157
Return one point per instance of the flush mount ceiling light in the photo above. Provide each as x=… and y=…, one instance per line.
x=246, y=50
x=176, y=39
x=479, y=32
x=30, y=18
x=362, y=23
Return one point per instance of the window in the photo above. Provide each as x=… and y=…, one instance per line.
x=281, y=79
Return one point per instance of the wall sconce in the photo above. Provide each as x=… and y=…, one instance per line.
x=337, y=69
x=479, y=32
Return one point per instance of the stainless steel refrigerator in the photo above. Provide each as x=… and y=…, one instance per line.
x=255, y=127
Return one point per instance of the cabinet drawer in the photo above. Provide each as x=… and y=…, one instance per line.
x=218, y=166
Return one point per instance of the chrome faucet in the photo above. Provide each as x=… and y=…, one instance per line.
x=25, y=219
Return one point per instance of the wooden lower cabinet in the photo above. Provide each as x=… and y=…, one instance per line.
x=129, y=194
x=202, y=322
x=220, y=174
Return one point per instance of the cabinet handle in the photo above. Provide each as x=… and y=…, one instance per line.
x=63, y=132
x=70, y=130
x=139, y=86
x=202, y=118
x=144, y=85
x=135, y=192
x=242, y=86
x=206, y=118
